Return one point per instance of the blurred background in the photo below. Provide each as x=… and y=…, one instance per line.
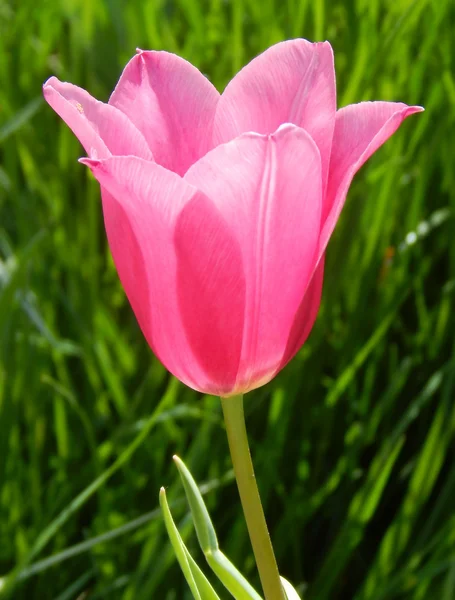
x=353, y=443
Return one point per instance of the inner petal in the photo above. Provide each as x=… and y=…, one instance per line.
x=172, y=104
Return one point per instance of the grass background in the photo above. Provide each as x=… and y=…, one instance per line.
x=353, y=442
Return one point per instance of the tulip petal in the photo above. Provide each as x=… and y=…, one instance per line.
x=360, y=129
x=268, y=189
x=291, y=82
x=171, y=103
x=305, y=315
x=181, y=268
x=102, y=129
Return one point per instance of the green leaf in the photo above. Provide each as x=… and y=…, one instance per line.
x=230, y=577
x=179, y=548
x=205, y=589
x=226, y=572
x=204, y=527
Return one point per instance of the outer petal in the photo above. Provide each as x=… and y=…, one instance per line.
x=305, y=316
x=268, y=189
x=102, y=129
x=171, y=103
x=360, y=130
x=291, y=82
x=181, y=268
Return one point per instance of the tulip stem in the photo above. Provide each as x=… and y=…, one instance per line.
x=234, y=418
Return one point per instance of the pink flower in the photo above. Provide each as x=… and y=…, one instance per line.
x=219, y=208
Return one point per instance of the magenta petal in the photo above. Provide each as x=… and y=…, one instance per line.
x=211, y=291
x=171, y=103
x=305, y=315
x=268, y=189
x=360, y=129
x=291, y=82
x=181, y=269
x=102, y=129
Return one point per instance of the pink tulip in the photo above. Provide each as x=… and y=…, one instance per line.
x=218, y=208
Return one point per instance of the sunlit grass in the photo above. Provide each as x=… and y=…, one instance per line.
x=353, y=443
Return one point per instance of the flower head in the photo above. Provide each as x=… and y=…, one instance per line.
x=218, y=208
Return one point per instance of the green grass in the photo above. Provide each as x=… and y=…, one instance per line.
x=353, y=443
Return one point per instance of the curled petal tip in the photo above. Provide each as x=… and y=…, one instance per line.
x=139, y=51
x=51, y=85
x=411, y=110
x=325, y=43
x=48, y=82
x=91, y=163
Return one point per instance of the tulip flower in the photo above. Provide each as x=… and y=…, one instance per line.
x=218, y=211
x=218, y=208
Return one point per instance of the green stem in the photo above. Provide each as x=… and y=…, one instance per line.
x=249, y=495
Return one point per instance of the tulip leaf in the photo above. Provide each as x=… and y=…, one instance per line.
x=204, y=527
x=290, y=592
x=206, y=591
x=230, y=577
x=187, y=564
x=226, y=572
